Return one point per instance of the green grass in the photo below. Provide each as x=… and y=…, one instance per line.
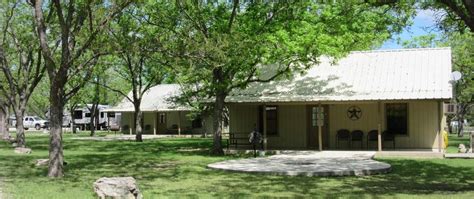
x=454, y=141
x=168, y=168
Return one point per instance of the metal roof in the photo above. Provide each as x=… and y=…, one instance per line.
x=158, y=98
x=405, y=74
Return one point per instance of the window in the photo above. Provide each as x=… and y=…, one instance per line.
x=88, y=114
x=111, y=114
x=272, y=120
x=397, y=118
x=77, y=114
x=101, y=114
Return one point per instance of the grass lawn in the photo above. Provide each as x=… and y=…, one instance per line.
x=454, y=141
x=170, y=168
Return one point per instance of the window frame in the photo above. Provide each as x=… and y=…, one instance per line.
x=407, y=105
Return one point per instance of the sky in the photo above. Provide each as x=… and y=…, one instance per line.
x=423, y=23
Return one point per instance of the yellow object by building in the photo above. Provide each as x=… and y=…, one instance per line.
x=445, y=139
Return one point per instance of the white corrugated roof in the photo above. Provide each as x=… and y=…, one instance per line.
x=158, y=98
x=403, y=74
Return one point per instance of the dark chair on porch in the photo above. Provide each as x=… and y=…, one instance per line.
x=357, y=136
x=388, y=137
x=343, y=135
x=372, y=136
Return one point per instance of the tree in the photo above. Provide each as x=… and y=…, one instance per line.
x=217, y=47
x=456, y=19
x=20, y=62
x=138, y=60
x=75, y=26
x=462, y=46
x=4, y=113
x=453, y=15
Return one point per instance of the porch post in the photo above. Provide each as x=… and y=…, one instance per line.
x=154, y=123
x=440, y=118
x=179, y=123
x=320, y=133
x=379, y=127
x=131, y=123
x=265, y=127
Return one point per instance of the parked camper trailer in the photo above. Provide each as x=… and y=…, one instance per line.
x=82, y=117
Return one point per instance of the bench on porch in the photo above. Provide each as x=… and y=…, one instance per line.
x=240, y=139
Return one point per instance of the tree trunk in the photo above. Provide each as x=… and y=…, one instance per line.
x=73, y=124
x=56, y=148
x=20, y=129
x=461, y=113
x=138, y=123
x=218, y=117
x=4, y=122
x=93, y=123
x=450, y=127
x=460, y=125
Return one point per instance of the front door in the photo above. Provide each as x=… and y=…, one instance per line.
x=161, y=123
x=312, y=126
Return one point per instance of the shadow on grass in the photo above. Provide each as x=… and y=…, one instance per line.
x=418, y=177
x=177, y=167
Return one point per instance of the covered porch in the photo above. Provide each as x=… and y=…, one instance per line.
x=408, y=125
x=163, y=122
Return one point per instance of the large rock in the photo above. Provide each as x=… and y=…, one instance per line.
x=22, y=150
x=45, y=162
x=42, y=162
x=117, y=187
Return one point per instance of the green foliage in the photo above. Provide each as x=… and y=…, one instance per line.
x=452, y=15
x=218, y=46
x=210, y=39
x=39, y=101
x=421, y=41
x=463, y=61
x=136, y=60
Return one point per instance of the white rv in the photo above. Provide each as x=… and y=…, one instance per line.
x=82, y=117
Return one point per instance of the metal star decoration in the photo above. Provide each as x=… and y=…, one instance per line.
x=354, y=113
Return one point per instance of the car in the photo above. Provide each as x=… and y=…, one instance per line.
x=35, y=122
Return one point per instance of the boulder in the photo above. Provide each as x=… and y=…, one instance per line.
x=21, y=150
x=45, y=162
x=117, y=187
x=42, y=162
x=14, y=144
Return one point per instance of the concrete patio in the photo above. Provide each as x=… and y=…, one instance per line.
x=309, y=163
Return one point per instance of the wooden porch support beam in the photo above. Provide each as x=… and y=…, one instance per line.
x=440, y=119
x=379, y=126
x=155, y=123
x=265, y=127
x=320, y=133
